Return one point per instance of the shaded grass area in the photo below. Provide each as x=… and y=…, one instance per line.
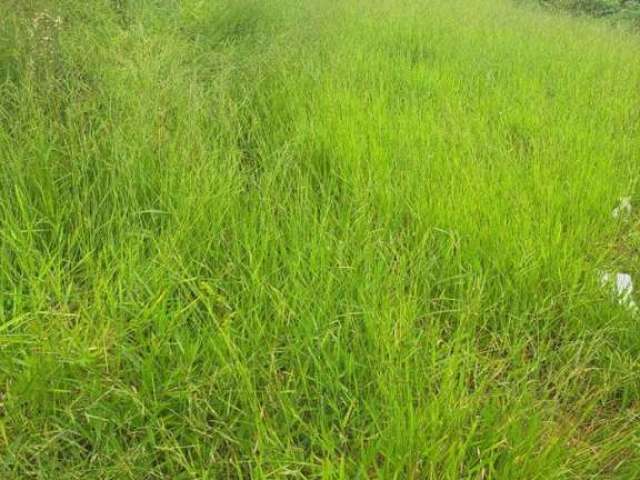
x=617, y=10
x=244, y=239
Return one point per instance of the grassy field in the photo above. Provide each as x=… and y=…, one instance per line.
x=316, y=239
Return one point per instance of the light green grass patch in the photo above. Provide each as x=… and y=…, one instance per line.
x=244, y=239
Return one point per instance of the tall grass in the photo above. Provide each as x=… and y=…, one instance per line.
x=284, y=239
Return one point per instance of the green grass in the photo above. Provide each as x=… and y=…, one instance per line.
x=616, y=10
x=316, y=239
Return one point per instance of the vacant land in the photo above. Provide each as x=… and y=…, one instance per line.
x=316, y=239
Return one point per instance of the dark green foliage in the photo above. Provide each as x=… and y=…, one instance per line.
x=617, y=9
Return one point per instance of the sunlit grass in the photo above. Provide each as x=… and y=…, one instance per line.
x=284, y=239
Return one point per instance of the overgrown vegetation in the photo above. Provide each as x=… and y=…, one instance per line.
x=285, y=239
x=626, y=10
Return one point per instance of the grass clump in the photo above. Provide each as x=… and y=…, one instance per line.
x=308, y=240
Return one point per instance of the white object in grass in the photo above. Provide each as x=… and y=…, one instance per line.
x=622, y=287
x=623, y=209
